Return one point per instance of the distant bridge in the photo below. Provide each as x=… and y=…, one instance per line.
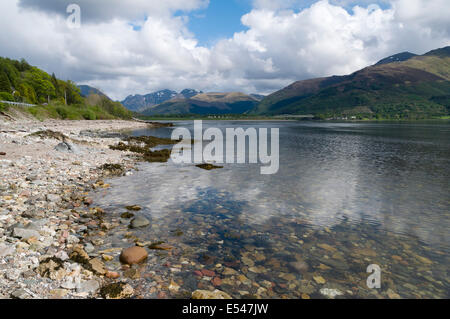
x=18, y=103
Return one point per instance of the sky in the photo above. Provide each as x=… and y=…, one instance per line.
x=251, y=46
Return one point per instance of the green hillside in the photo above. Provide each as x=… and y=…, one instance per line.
x=416, y=88
x=54, y=98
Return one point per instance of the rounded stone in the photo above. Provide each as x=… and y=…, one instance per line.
x=133, y=255
x=139, y=222
x=206, y=294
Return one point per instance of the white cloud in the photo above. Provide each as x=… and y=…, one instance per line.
x=280, y=45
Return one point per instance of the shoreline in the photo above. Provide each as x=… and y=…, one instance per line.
x=45, y=211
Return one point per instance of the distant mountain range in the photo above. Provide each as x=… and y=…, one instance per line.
x=139, y=102
x=205, y=103
x=190, y=101
x=401, y=86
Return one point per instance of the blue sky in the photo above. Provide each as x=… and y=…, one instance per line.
x=222, y=18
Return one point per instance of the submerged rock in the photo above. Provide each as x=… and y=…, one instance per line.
x=160, y=246
x=133, y=255
x=139, y=222
x=299, y=266
x=330, y=293
x=134, y=208
x=208, y=167
x=127, y=215
x=206, y=294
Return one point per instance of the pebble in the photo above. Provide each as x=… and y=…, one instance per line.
x=205, y=294
x=133, y=255
x=319, y=279
x=330, y=293
x=139, y=222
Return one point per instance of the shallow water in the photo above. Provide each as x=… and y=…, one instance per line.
x=347, y=195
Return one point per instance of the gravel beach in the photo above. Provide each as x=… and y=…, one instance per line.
x=47, y=169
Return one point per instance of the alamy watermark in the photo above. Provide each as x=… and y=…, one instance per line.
x=74, y=19
x=235, y=147
x=374, y=280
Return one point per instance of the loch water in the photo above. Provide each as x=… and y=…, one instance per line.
x=346, y=196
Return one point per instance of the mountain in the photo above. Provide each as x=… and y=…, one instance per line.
x=87, y=90
x=187, y=93
x=258, y=97
x=139, y=102
x=400, y=57
x=205, y=103
x=408, y=86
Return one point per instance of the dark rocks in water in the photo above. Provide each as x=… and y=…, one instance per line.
x=158, y=124
x=207, y=259
x=335, y=264
x=160, y=246
x=139, y=222
x=178, y=232
x=118, y=290
x=113, y=169
x=208, y=167
x=127, y=215
x=132, y=273
x=134, y=208
x=161, y=156
x=135, y=145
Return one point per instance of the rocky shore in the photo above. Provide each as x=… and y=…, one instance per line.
x=47, y=169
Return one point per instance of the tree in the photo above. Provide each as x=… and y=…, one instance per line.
x=28, y=93
x=5, y=85
x=55, y=82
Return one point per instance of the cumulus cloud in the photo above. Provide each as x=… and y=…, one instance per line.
x=280, y=44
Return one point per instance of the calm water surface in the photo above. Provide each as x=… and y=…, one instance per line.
x=347, y=195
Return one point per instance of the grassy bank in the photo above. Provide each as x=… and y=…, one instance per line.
x=54, y=98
